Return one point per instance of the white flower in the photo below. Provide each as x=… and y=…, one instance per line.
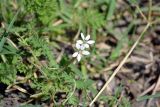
x=79, y=54
x=81, y=45
x=85, y=41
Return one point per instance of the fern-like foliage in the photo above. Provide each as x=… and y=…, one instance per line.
x=44, y=10
x=93, y=19
x=53, y=79
x=41, y=47
x=7, y=73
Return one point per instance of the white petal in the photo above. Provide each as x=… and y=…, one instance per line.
x=91, y=42
x=75, y=54
x=82, y=36
x=78, y=46
x=79, y=57
x=82, y=47
x=87, y=37
x=86, y=45
x=85, y=53
x=79, y=41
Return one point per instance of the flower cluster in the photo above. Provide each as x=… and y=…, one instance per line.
x=82, y=45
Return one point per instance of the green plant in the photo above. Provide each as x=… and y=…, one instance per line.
x=44, y=10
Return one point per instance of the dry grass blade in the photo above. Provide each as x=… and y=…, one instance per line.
x=120, y=65
x=20, y=89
